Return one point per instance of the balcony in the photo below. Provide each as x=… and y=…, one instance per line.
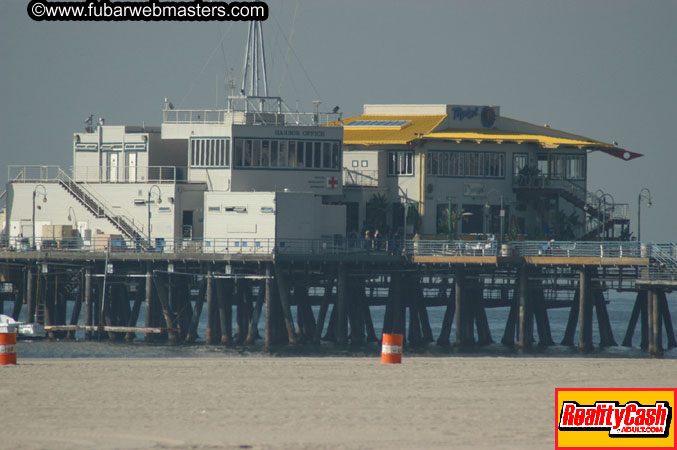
x=363, y=178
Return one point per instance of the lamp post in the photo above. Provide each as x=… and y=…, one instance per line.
x=644, y=194
x=44, y=200
x=159, y=200
x=501, y=214
x=72, y=217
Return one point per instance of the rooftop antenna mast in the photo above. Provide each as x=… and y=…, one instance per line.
x=254, y=75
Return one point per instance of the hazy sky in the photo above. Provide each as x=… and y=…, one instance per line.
x=603, y=69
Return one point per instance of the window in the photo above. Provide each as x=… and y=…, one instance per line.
x=519, y=162
x=208, y=152
x=265, y=154
x=283, y=160
x=355, y=163
x=247, y=153
x=261, y=153
x=466, y=164
x=543, y=165
x=365, y=163
x=444, y=164
x=377, y=124
x=309, y=154
x=237, y=156
x=291, y=160
x=256, y=154
x=575, y=167
x=326, y=155
x=274, y=153
x=433, y=163
x=401, y=163
x=317, y=155
x=557, y=166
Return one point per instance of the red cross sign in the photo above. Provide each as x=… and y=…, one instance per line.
x=332, y=182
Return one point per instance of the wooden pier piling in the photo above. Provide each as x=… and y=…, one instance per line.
x=655, y=323
x=525, y=317
x=342, y=305
x=585, y=312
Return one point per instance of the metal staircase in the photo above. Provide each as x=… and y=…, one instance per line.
x=98, y=208
x=665, y=255
x=600, y=216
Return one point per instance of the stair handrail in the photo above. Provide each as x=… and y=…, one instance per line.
x=121, y=220
x=663, y=253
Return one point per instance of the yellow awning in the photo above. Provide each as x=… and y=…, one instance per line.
x=394, y=135
x=500, y=136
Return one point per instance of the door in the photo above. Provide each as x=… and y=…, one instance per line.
x=131, y=167
x=113, y=168
x=187, y=224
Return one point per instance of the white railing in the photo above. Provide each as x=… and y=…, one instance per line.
x=194, y=115
x=218, y=116
x=130, y=174
x=361, y=248
x=450, y=248
x=32, y=174
x=360, y=177
x=572, y=249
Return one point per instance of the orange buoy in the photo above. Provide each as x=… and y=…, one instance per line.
x=391, y=350
x=7, y=348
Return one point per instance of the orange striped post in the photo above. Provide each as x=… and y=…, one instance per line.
x=391, y=350
x=7, y=348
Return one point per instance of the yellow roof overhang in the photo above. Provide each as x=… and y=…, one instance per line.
x=416, y=126
x=500, y=136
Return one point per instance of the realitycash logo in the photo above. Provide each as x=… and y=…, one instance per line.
x=597, y=418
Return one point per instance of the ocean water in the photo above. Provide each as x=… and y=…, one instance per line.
x=620, y=307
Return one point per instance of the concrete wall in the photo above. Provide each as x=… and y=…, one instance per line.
x=254, y=219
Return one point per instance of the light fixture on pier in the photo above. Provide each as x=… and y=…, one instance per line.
x=644, y=194
x=44, y=200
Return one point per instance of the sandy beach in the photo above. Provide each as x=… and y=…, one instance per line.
x=300, y=402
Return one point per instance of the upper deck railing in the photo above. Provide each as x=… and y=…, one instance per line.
x=98, y=174
x=338, y=245
x=221, y=116
x=130, y=174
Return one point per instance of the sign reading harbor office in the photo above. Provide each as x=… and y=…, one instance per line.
x=308, y=133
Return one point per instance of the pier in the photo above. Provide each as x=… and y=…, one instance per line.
x=308, y=291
